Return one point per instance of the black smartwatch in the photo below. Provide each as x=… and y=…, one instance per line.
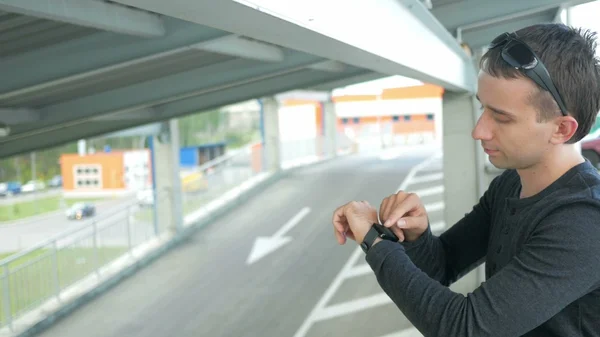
x=377, y=231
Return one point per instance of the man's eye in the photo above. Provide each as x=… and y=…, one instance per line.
x=501, y=119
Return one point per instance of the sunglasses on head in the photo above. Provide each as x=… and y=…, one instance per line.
x=518, y=55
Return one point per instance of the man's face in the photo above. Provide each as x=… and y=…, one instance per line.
x=508, y=128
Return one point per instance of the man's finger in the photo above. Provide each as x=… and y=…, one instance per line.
x=350, y=235
x=340, y=237
x=410, y=222
x=399, y=233
x=340, y=224
x=400, y=210
x=382, y=208
x=392, y=201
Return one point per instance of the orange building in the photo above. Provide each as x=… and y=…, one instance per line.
x=403, y=111
x=117, y=171
x=394, y=113
x=407, y=110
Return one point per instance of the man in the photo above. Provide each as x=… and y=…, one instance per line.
x=537, y=226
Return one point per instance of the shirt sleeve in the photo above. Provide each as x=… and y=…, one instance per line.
x=459, y=249
x=556, y=266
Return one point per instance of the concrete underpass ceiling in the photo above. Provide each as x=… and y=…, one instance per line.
x=68, y=74
x=477, y=22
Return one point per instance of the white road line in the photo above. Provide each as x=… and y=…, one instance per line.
x=353, y=306
x=410, y=332
x=435, y=206
x=411, y=175
x=425, y=192
x=337, y=282
x=359, y=270
x=427, y=178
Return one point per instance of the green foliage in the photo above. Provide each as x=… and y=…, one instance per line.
x=196, y=129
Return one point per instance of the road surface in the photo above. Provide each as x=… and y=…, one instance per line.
x=309, y=286
x=26, y=233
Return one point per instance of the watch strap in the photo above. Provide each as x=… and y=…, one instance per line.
x=369, y=238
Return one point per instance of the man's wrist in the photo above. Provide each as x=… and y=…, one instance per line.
x=376, y=241
x=368, y=228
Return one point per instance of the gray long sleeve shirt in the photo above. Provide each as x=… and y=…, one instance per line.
x=542, y=257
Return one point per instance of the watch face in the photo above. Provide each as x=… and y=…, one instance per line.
x=386, y=233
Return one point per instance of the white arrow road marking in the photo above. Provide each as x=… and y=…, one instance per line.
x=268, y=244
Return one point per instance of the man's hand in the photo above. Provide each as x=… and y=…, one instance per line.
x=405, y=215
x=353, y=220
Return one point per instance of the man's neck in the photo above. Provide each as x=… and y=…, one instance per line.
x=536, y=178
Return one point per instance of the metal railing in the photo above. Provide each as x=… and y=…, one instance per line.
x=43, y=272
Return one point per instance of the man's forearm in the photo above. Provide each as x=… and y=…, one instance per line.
x=427, y=253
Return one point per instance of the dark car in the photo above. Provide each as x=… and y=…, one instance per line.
x=80, y=211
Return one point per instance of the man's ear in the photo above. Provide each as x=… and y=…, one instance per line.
x=566, y=127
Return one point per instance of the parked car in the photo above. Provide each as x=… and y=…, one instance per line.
x=33, y=186
x=10, y=188
x=56, y=181
x=80, y=210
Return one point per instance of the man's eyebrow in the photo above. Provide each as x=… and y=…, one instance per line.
x=496, y=110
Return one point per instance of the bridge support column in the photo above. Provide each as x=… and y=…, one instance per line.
x=464, y=169
x=271, y=138
x=330, y=121
x=168, y=201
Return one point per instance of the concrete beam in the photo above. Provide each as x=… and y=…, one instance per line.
x=466, y=12
x=19, y=116
x=561, y=14
x=90, y=13
x=332, y=66
x=308, y=95
x=329, y=86
x=318, y=29
x=242, y=47
x=259, y=87
x=145, y=113
x=152, y=129
x=169, y=89
x=483, y=35
x=95, y=54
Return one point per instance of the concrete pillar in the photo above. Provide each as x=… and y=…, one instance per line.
x=168, y=201
x=330, y=121
x=438, y=125
x=464, y=180
x=271, y=139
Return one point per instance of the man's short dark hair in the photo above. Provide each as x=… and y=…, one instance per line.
x=569, y=54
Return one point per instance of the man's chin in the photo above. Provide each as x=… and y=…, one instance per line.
x=499, y=164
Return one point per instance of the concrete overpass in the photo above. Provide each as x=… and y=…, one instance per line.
x=76, y=69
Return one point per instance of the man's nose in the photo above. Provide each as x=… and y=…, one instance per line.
x=482, y=130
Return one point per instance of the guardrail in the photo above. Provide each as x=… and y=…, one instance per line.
x=42, y=272
x=38, y=274
x=46, y=271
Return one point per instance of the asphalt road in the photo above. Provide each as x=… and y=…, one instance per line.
x=27, y=233
x=205, y=287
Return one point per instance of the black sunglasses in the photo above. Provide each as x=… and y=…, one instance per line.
x=518, y=54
